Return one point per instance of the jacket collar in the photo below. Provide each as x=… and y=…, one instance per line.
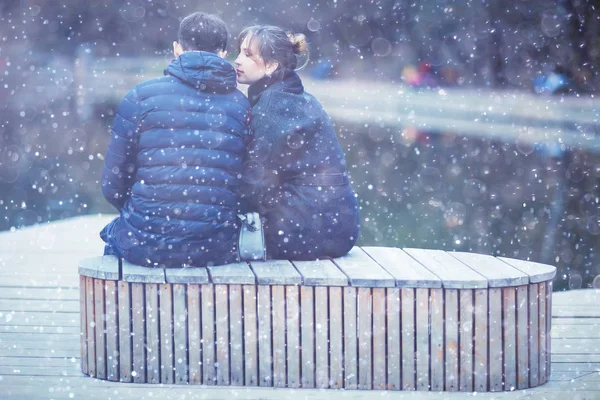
x=290, y=82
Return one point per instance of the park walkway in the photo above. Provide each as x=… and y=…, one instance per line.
x=39, y=332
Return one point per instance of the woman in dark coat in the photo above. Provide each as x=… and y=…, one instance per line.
x=295, y=172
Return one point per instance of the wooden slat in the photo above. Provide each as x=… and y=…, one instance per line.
x=407, y=272
x=188, y=276
x=207, y=300
x=138, y=338
x=101, y=267
x=436, y=349
x=307, y=337
x=152, y=334
x=194, y=332
x=509, y=331
x=549, y=325
x=408, y=339
x=336, y=355
x=362, y=271
x=453, y=273
x=522, y=337
x=451, y=380
x=265, y=356
x=232, y=274
x=320, y=273
x=250, y=336
x=275, y=272
x=112, y=331
x=321, y=337
x=278, y=335
x=542, y=333
x=394, y=337
x=495, y=328
x=83, y=330
x=125, y=348
x=99, y=313
x=422, y=339
x=350, y=338
x=222, y=330
x=165, y=299
x=497, y=272
x=91, y=326
x=480, y=362
x=534, y=336
x=137, y=274
x=180, y=334
x=236, y=335
x=379, y=339
x=537, y=272
x=293, y=335
x=365, y=338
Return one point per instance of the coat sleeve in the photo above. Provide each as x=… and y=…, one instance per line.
x=120, y=163
x=263, y=169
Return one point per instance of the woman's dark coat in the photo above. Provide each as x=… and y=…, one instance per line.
x=295, y=174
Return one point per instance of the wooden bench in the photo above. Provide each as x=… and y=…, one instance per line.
x=378, y=318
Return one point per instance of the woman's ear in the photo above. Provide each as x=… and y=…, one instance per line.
x=270, y=68
x=177, y=50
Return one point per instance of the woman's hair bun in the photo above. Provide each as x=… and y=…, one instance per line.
x=299, y=41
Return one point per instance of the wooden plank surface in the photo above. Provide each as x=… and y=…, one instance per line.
x=152, y=334
x=379, y=339
x=230, y=274
x=100, y=321
x=101, y=267
x=453, y=273
x=190, y=275
x=138, y=371
x=422, y=339
x=350, y=338
x=436, y=348
x=236, y=335
x=125, y=347
x=495, y=328
x=207, y=301
x=222, y=334
x=83, y=325
x=509, y=310
x=394, y=340
x=451, y=303
x=250, y=336
x=522, y=337
x=362, y=271
x=365, y=336
x=480, y=361
x=408, y=339
x=320, y=273
x=307, y=337
x=265, y=355
x=194, y=334
x=534, y=335
x=180, y=334
x=321, y=337
x=112, y=331
x=137, y=274
x=537, y=272
x=406, y=271
x=542, y=333
x=167, y=359
x=336, y=328
x=278, y=335
x=275, y=272
x=91, y=324
x=292, y=302
x=497, y=272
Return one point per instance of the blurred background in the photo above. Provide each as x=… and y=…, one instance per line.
x=468, y=126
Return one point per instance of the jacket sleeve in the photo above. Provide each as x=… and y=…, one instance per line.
x=261, y=188
x=120, y=163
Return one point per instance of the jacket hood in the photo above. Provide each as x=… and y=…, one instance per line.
x=203, y=70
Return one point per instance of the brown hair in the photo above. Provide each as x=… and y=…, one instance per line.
x=276, y=45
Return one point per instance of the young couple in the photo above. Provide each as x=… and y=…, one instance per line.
x=189, y=152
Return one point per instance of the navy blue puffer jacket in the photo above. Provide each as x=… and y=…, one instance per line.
x=173, y=166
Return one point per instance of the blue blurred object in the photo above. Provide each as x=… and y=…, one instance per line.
x=559, y=81
x=322, y=69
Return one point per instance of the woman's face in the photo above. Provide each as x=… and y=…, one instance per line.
x=249, y=65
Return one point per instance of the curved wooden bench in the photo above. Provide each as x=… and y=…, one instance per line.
x=378, y=318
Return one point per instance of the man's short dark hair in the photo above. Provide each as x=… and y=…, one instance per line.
x=203, y=32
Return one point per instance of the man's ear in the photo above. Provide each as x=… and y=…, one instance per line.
x=222, y=53
x=177, y=49
x=271, y=67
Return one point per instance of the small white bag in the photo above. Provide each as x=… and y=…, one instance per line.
x=252, y=245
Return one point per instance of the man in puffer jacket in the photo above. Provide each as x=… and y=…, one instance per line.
x=174, y=161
